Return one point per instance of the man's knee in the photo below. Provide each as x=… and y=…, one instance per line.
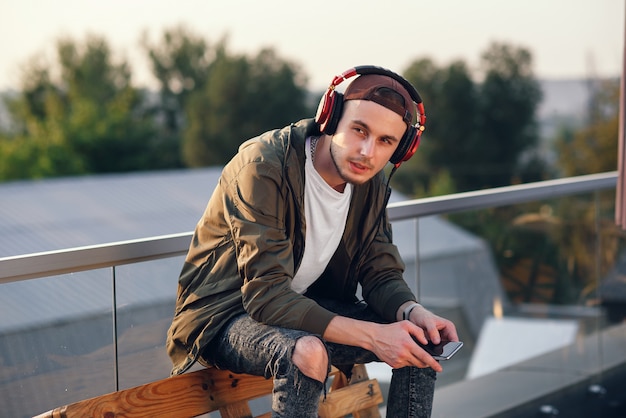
x=311, y=358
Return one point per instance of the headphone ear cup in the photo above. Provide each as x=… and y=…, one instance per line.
x=329, y=111
x=324, y=108
x=335, y=115
x=407, y=146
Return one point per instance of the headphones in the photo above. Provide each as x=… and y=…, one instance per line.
x=330, y=110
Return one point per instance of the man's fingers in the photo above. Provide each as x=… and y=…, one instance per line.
x=428, y=361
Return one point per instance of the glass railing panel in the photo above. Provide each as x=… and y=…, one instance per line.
x=552, y=263
x=55, y=341
x=610, y=292
x=525, y=281
x=146, y=294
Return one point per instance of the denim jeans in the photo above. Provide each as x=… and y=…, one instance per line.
x=246, y=346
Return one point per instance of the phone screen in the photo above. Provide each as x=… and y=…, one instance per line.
x=444, y=350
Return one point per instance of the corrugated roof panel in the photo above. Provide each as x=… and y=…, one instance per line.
x=54, y=214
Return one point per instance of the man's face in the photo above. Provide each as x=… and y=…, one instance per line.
x=366, y=137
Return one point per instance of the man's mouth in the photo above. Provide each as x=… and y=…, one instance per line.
x=359, y=167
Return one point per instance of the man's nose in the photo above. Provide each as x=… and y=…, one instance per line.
x=367, y=147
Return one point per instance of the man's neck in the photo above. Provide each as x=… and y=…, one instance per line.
x=324, y=165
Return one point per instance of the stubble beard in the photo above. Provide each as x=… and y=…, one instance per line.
x=342, y=174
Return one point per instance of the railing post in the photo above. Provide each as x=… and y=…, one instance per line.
x=417, y=258
x=116, y=365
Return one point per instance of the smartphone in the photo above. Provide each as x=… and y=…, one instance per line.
x=442, y=351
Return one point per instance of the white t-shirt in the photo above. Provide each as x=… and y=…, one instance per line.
x=326, y=211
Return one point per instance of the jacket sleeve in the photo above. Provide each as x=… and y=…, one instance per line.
x=256, y=204
x=381, y=274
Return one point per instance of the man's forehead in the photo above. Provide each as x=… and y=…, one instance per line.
x=376, y=117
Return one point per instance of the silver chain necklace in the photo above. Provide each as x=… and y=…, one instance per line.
x=314, y=140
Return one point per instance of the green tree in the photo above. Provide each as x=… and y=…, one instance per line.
x=180, y=61
x=509, y=96
x=476, y=133
x=449, y=96
x=87, y=120
x=34, y=147
x=593, y=148
x=242, y=98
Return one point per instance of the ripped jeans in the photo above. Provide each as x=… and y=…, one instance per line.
x=246, y=346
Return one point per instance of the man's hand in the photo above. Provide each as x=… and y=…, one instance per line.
x=430, y=326
x=392, y=343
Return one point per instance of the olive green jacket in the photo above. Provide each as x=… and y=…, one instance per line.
x=249, y=242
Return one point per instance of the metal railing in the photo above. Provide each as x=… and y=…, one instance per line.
x=30, y=266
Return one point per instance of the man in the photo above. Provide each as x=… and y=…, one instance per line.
x=295, y=224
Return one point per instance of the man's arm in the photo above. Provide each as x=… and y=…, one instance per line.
x=393, y=343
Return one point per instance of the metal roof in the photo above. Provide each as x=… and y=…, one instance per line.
x=60, y=213
x=53, y=214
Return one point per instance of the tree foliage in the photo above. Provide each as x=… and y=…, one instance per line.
x=242, y=98
x=476, y=132
x=81, y=114
x=449, y=97
x=509, y=98
x=86, y=119
x=180, y=62
x=212, y=99
x=593, y=148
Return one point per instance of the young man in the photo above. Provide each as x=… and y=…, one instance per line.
x=295, y=224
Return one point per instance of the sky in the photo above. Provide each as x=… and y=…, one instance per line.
x=567, y=38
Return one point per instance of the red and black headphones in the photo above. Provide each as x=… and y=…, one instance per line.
x=330, y=110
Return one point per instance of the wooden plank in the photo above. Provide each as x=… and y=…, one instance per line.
x=187, y=395
x=236, y=410
x=350, y=399
x=339, y=379
x=359, y=374
x=208, y=390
